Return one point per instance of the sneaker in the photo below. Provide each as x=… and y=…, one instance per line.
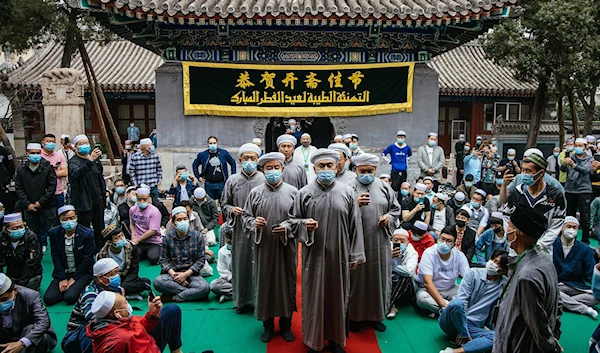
x=44, y=249
x=134, y=297
x=392, y=313
x=591, y=312
x=447, y=350
x=224, y=298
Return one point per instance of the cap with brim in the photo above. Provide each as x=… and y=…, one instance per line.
x=571, y=219
x=111, y=230
x=469, y=177
x=537, y=160
x=79, y=138
x=459, y=196
x=250, y=147
x=286, y=138
x=324, y=154
x=65, y=208
x=420, y=225
x=272, y=156
x=529, y=221
x=5, y=283
x=13, y=217
x=340, y=147
x=104, y=266
x=145, y=141
x=103, y=304
x=199, y=193
x=33, y=146
x=366, y=159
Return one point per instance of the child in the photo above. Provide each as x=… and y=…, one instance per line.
x=222, y=286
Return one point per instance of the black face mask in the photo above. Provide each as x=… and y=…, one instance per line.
x=460, y=223
x=498, y=230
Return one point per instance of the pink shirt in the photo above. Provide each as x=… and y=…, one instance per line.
x=54, y=158
x=144, y=221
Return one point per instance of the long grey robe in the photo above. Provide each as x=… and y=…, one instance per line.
x=294, y=174
x=326, y=255
x=529, y=314
x=371, y=283
x=276, y=258
x=346, y=177
x=235, y=193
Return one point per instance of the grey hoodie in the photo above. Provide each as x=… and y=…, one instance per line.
x=578, y=178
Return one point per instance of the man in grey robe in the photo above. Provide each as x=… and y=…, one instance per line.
x=326, y=219
x=275, y=252
x=343, y=175
x=371, y=283
x=529, y=312
x=235, y=192
x=294, y=173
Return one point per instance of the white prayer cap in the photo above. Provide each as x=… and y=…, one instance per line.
x=1, y=204
x=461, y=135
x=401, y=231
x=199, y=193
x=459, y=196
x=346, y=136
x=428, y=178
x=104, y=266
x=286, y=138
x=177, y=210
x=79, y=138
x=256, y=140
x=385, y=176
x=129, y=189
x=467, y=209
x=366, y=159
x=499, y=215
x=305, y=134
x=434, y=134
x=420, y=187
x=479, y=138
x=590, y=138
x=143, y=191
x=339, y=147
x=272, y=156
x=291, y=121
x=5, y=283
x=338, y=137
x=103, y=303
x=581, y=140
x=249, y=147
x=481, y=192
x=441, y=196
x=401, y=133
x=571, y=219
x=33, y=146
x=531, y=151
x=12, y=217
x=420, y=225
x=64, y=135
x=322, y=154
x=65, y=208
x=511, y=151
x=145, y=141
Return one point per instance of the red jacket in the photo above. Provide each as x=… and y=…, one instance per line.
x=131, y=335
x=421, y=245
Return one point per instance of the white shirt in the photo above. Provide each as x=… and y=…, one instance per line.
x=445, y=273
x=224, y=263
x=567, y=248
x=183, y=194
x=429, y=153
x=302, y=156
x=439, y=220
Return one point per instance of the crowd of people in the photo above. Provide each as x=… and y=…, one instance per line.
x=370, y=242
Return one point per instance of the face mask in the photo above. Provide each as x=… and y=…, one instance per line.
x=474, y=204
x=415, y=238
x=228, y=247
x=353, y=146
x=527, y=179
x=6, y=305
x=510, y=158
x=184, y=176
x=128, y=147
x=498, y=239
x=400, y=141
x=468, y=184
x=461, y=140
x=444, y=248
x=69, y=225
x=133, y=199
x=132, y=125
x=120, y=244
x=478, y=142
x=434, y=206
x=419, y=199
x=570, y=148
x=492, y=268
x=17, y=234
x=499, y=181
x=35, y=158
x=129, y=309
x=570, y=233
x=432, y=143
x=404, y=192
x=212, y=147
x=556, y=154
x=114, y=283
x=293, y=128
x=346, y=166
x=1, y=214
x=467, y=148
x=143, y=205
x=50, y=146
x=249, y=166
x=152, y=148
x=578, y=150
x=366, y=179
x=183, y=226
x=498, y=230
x=403, y=247
x=460, y=223
x=120, y=190
x=326, y=176
x=273, y=176
x=84, y=149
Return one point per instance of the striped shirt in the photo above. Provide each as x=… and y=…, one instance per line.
x=82, y=312
x=145, y=169
x=183, y=254
x=70, y=254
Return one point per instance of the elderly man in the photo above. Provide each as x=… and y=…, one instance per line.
x=294, y=172
x=370, y=288
x=342, y=173
x=431, y=158
x=144, y=226
x=326, y=218
x=234, y=198
x=207, y=209
x=302, y=156
x=35, y=184
x=20, y=253
x=88, y=187
x=145, y=167
x=400, y=154
x=266, y=208
x=416, y=208
x=25, y=323
x=404, y=267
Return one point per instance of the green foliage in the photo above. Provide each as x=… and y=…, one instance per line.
x=580, y=111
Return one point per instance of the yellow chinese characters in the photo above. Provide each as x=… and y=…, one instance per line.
x=356, y=78
x=244, y=80
x=312, y=81
x=335, y=81
x=267, y=78
x=290, y=78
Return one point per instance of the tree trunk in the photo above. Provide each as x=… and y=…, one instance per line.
x=573, y=109
x=70, y=44
x=561, y=119
x=538, y=112
x=589, y=111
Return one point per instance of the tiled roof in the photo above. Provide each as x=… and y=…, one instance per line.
x=546, y=128
x=119, y=66
x=398, y=9
x=466, y=71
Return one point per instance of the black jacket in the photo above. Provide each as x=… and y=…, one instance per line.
x=124, y=213
x=24, y=262
x=209, y=213
x=7, y=166
x=87, y=183
x=84, y=249
x=38, y=185
x=468, y=244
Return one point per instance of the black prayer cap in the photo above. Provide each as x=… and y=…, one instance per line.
x=529, y=221
x=111, y=230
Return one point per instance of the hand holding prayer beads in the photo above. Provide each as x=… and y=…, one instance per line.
x=237, y=211
x=364, y=199
x=311, y=224
x=260, y=222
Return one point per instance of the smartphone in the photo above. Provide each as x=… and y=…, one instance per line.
x=597, y=157
x=66, y=140
x=58, y=163
x=151, y=294
x=396, y=245
x=98, y=146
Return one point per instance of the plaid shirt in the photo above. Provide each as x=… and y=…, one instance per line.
x=183, y=254
x=145, y=169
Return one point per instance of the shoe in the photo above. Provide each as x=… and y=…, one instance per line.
x=44, y=249
x=447, y=350
x=167, y=298
x=354, y=326
x=592, y=313
x=336, y=348
x=266, y=335
x=377, y=326
x=431, y=315
x=222, y=299
x=134, y=297
x=288, y=336
x=392, y=313
x=244, y=309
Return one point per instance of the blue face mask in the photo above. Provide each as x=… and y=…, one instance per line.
x=326, y=176
x=403, y=247
x=17, y=234
x=1, y=214
x=527, y=179
x=7, y=305
x=143, y=205
x=249, y=167
x=468, y=184
x=570, y=148
x=50, y=146
x=212, y=147
x=183, y=226
x=120, y=244
x=499, y=181
x=474, y=204
x=467, y=148
x=293, y=128
x=353, y=146
x=419, y=199
x=366, y=179
x=404, y=192
x=461, y=140
x=133, y=199
x=400, y=141
x=84, y=149
x=556, y=154
x=443, y=247
x=346, y=166
x=228, y=247
x=152, y=148
x=579, y=150
x=432, y=143
x=69, y=225
x=434, y=206
x=273, y=176
x=185, y=176
x=114, y=283
x=35, y=158
x=120, y=190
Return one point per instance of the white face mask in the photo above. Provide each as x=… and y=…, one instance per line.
x=570, y=233
x=492, y=268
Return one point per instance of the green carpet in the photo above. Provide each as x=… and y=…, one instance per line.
x=215, y=326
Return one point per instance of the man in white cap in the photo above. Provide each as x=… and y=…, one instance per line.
x=302, y=156
x=182, y=258
x=326, y=219
x=404, y=193
x=404, y=267
x=417, y=208
x=35, y=184
x=58, y=161
x=294, y=172
x=210, y=168
x=346, y=139
x=294, y=129
x=431, y=158
x=370, y=288
x=72, y=246
x=144, y=226
x=257, y=141
x=386, y=178
x=20, y=253
x=207, y=209
x=353, y=146
x=510, y=163
x=457, y=201
x=343, y=175
x=591, y=145
x=338, y=139
x=88, y=187
x=266, y=208
x=234, y=198
x=145, y=168
x=478, y=142
x=399, y=153
x=480, y=214
x=419, y=237
x=24, y=321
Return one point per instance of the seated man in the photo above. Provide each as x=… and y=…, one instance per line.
x=416, y=208
x=183, y=186
x=574, y=263
x=465, y=236
x=115, y=329
x=466, y=317
x=438, y=271
x=72, y=247
x=457, y=201
x=144, y=226
x=106, y=278
x=24, y=321
x=182, y=259
x=419, y=238
x=467, y=187
x=206, y=207
x=222, y=286
x=441, y=216
x=479, y=214
x=491, y=240
x=20, y=253
x=128, y=259
x=404, y=265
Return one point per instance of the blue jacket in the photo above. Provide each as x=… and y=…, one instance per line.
x=577, y=268
x=202, y=160
x=84, y=250
x=486, y=246
x=176, y=191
